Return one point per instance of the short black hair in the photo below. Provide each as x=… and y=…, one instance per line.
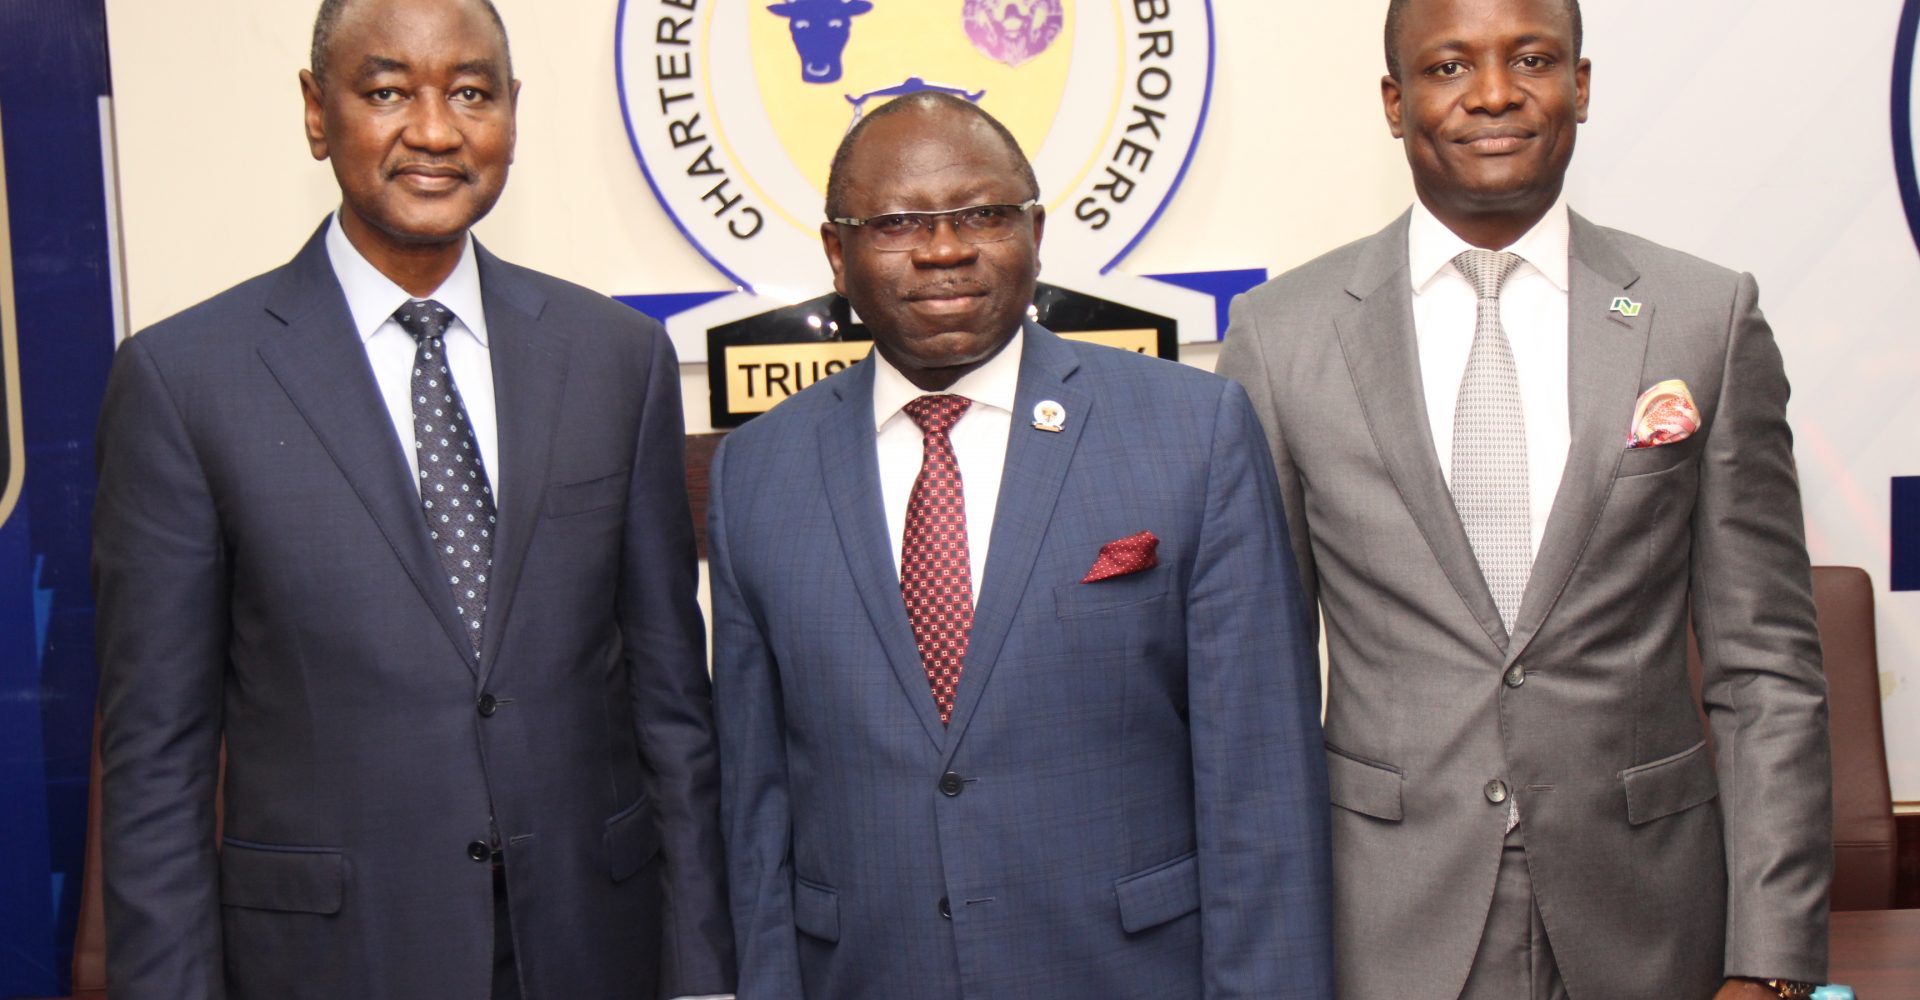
x=925, y=100
x=1397, y=15
x=328, y=19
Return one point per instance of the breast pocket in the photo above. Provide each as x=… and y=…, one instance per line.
x=1121, y=593
x=1653, y=461
x=590, y=495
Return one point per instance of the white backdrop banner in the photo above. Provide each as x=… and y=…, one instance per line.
x=1740, y=133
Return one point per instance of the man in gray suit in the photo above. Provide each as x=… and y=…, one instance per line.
x=469, y=744
x=1516, y=450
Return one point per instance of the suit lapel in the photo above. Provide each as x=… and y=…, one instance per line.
x=1606, y=353
x=850, y=467
x=1036, y=469
x=529, y=375
x=322, y=366
x=1377, y=337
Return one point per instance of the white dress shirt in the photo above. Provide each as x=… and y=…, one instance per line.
x=1533, y=312
x=979, y=445
x=372, y=298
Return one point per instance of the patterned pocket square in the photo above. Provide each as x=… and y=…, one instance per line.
x=1121, y=556
x=1664, y=415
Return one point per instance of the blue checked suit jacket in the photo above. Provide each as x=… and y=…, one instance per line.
x=1130, y=800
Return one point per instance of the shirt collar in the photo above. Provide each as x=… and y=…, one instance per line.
x=373, y=297
x=994, y=384
x=1431, y=246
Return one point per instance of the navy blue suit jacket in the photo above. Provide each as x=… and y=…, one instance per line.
x=264, y=573
x=1130, y=800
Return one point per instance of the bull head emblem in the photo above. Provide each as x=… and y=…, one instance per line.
x=820, y=30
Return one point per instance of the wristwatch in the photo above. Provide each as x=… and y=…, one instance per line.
x=1790, y=989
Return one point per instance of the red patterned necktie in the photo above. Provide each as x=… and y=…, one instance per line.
x=936, y=575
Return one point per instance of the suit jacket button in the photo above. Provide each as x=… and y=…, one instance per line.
x=946, y=910
x=950, y=784
x=488, y=705
x=479, y=851
x=1516, y=676
x=1496, y=791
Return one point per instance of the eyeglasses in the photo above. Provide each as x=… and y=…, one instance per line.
x=976, y=224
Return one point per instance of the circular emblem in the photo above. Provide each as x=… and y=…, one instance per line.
x=1906, y=101
x=1049, y=415
x=734, y=111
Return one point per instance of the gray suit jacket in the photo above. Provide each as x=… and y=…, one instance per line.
x=264, y=574
x=1654, y=871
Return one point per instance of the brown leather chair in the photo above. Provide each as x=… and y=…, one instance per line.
x=1865, y=850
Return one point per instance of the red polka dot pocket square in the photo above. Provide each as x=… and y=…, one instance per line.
x=1132, y=554
x=1665, y=414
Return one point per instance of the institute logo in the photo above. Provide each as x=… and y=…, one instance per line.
x=12, y=454
x=734, y=108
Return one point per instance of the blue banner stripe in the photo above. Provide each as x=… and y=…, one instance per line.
x=667, y=304
x=1905, y=573
x=1222, y=285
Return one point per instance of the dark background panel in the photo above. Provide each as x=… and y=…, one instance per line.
x=53, y=74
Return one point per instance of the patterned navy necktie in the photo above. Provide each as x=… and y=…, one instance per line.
x=454, y=492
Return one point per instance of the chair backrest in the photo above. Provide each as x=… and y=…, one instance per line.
x=1865, y=850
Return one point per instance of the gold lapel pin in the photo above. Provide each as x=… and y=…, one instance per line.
x=1049, y=416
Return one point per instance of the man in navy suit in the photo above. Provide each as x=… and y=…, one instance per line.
x=405, y=525
x=1013, y=686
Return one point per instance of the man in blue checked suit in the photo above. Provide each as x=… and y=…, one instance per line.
x=1012, y=682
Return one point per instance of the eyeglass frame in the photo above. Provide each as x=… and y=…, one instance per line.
x=1020, y=208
